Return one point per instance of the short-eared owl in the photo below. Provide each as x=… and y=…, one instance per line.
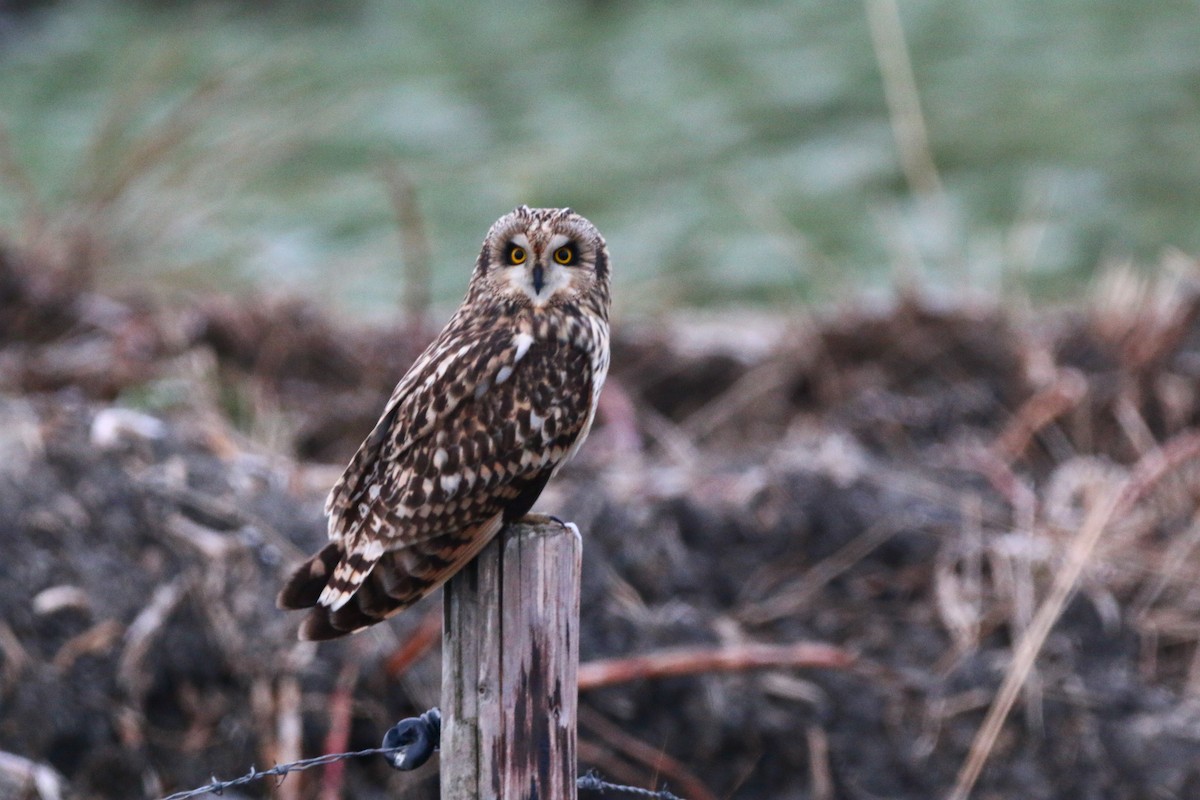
x=500, y=400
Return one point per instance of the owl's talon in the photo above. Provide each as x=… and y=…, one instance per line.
x=540, y=519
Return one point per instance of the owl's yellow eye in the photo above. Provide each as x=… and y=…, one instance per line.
x=516, y=254
x=564, y=255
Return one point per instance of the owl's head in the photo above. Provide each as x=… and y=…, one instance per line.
x=543, y=257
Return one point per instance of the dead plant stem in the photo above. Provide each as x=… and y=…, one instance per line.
x=903, y=101
x=1078, y=554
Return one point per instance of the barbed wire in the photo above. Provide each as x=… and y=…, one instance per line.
x=407, y=745
x=592, y=782
x=218, y=787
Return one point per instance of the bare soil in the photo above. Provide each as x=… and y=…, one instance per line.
x=903, y=485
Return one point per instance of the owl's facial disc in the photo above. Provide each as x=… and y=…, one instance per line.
x=541, y=258
x=541, y=269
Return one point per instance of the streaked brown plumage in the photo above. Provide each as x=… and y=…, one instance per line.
x=499, y=401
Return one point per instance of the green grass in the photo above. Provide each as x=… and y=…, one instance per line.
x=731, y=152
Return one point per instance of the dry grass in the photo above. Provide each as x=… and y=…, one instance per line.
x=991, y=517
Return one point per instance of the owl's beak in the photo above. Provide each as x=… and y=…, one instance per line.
x=539, y=278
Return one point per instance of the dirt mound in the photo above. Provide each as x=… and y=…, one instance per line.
x=914, y=488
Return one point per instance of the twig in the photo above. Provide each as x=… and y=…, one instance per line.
x=341, y=703
x=1080, y=551
x=21, y=777
x=289, y=729
x=1065, y=393
x=427, y=633
x=219, y=511
x=120, y=112
x=99, y=638
x=694, y=660
x=797, y=594
x=141, y=632
x=15, y=657
x=13, y=173
x=414, y=244
x=820, y=776
x=1172, y=561
x=1148, y=472
x=675, y=444
x=159, y=142
x=751, y=388
x=1161, y=463
x=1133, y=424
x=900, y=91
x=912, y=139
x=620, y=416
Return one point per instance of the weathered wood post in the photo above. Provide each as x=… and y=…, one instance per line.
x=510, y=657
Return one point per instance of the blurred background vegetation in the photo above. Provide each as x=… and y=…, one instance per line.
x=732, y=152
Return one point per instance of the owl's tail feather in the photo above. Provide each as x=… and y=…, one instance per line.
x=387, y=590
x=304, y=587
x=399, y=579
x=328, y=579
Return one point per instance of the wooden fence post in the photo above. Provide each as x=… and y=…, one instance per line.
x=510, y=657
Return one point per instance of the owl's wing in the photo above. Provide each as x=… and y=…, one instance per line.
x=469, y=439
x=425, y=377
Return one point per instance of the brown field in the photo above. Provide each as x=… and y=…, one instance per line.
x=958, y=538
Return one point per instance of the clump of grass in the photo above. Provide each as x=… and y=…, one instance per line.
x=138, y=204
